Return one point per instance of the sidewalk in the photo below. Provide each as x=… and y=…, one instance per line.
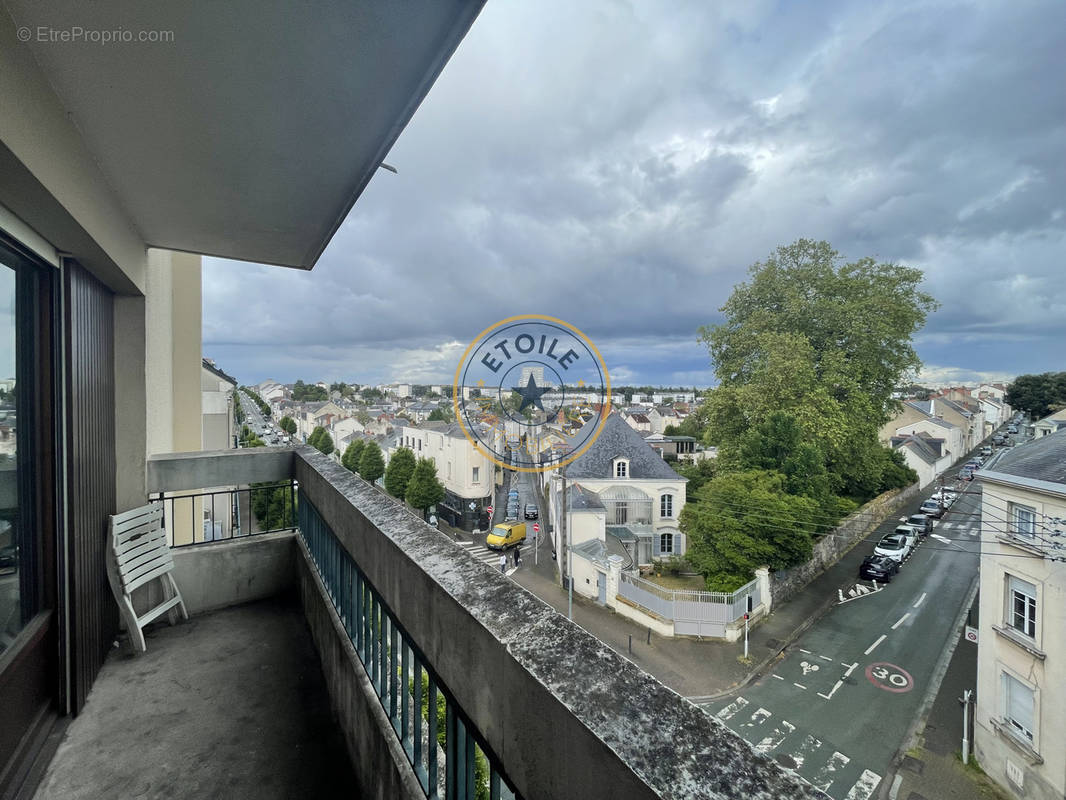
x=933, y=769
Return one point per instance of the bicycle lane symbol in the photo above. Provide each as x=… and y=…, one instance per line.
x=889, y=677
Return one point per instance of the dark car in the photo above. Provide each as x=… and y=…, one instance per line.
x=921, y=523
x=878, y=568
x=531, y=511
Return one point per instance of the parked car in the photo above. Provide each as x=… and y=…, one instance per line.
x=922, y=523
x=932, y=508
x=986, y=451
x=505, y=535
x=898, y=545
x=879, y=568
x=966, y=474
x=948, y=496
x=531, y=511
x=1012, y=429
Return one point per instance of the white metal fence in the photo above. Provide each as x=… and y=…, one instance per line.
x=694, y=613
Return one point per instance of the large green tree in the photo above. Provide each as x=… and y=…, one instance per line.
x=424, y=489
x=823, y=341
x=321, y=440
x=399, y=471
x=352, y=454
x=371, y=464
x=288, y=424
x=743, y=520
x=1040, y=395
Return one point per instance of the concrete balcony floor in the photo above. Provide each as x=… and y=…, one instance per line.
x=228, y=704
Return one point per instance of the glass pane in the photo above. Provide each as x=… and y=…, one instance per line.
x=10, y=606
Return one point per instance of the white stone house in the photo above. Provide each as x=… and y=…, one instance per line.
x=619, y=489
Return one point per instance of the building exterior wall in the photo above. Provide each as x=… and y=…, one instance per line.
x=1037, y=662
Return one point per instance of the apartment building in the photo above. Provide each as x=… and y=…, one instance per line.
x=1021, y=667
x=467, y=474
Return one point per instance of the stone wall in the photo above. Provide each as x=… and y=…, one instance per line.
x=829, y=549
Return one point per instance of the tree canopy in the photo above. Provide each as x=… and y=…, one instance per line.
x=371, y=464
x=399, y=471
x=1039, y=395
x=321, y=440
x=310, y=392
x=743, y=520
x=823, y=341
x=807, y=358
x=288, y=424
x=424, y=489
x=352, y=454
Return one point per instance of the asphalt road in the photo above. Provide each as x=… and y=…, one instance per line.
x=840, y=702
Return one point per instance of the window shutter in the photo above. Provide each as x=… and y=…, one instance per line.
x=677, y=544
x=656, y=550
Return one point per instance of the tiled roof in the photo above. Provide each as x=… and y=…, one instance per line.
x=618, y=439
x=1042, y=459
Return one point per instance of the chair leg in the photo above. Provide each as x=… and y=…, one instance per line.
x=177, y=592
x=132, y=626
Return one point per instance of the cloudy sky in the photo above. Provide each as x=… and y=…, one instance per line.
x=620, y=164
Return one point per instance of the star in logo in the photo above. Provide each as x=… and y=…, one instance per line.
x=481, y=382
x=530, y=395
x=581, y=382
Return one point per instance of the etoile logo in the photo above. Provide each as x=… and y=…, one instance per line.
x=531, y=392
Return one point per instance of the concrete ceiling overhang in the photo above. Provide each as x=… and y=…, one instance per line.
x=250, y=128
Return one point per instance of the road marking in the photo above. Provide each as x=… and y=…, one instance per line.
x=758, y=718
x=865, y=786
x=919, y=601
x=870, y=649
x=775, y=739
x=939, y=537
x=731, y=709
x=778, y=677
x=827, y=774
x=810, y=746
x=901, y=620
x=833, y=691
x=825, y=658
x=800, y=685
x=808, y=652
x=850, y=669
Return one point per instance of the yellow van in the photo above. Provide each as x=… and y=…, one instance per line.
x=505, y=535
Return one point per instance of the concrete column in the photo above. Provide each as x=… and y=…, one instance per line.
x=614, y=576
x=131, y=405
x=762, y=575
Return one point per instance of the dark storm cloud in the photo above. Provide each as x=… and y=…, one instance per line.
x=620, y=165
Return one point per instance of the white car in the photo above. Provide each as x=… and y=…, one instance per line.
x=897, y=545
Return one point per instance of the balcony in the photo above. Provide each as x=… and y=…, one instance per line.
x=369, y=612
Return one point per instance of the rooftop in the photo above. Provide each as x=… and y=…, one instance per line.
x=1042, y=460
x=618, y=439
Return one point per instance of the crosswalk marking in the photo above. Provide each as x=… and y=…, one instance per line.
x=730, y=710
x=825, y=776
x=803, y=753
x=481, y=553
x=810, y=747
x=774, y=740
x=864, y=786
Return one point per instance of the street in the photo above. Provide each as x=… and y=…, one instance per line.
x=839, y=703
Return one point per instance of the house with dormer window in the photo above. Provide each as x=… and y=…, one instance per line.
x=623, y=499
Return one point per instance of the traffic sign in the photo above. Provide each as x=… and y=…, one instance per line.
x=971, y=634
x=488, y=509
x=536, y=527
